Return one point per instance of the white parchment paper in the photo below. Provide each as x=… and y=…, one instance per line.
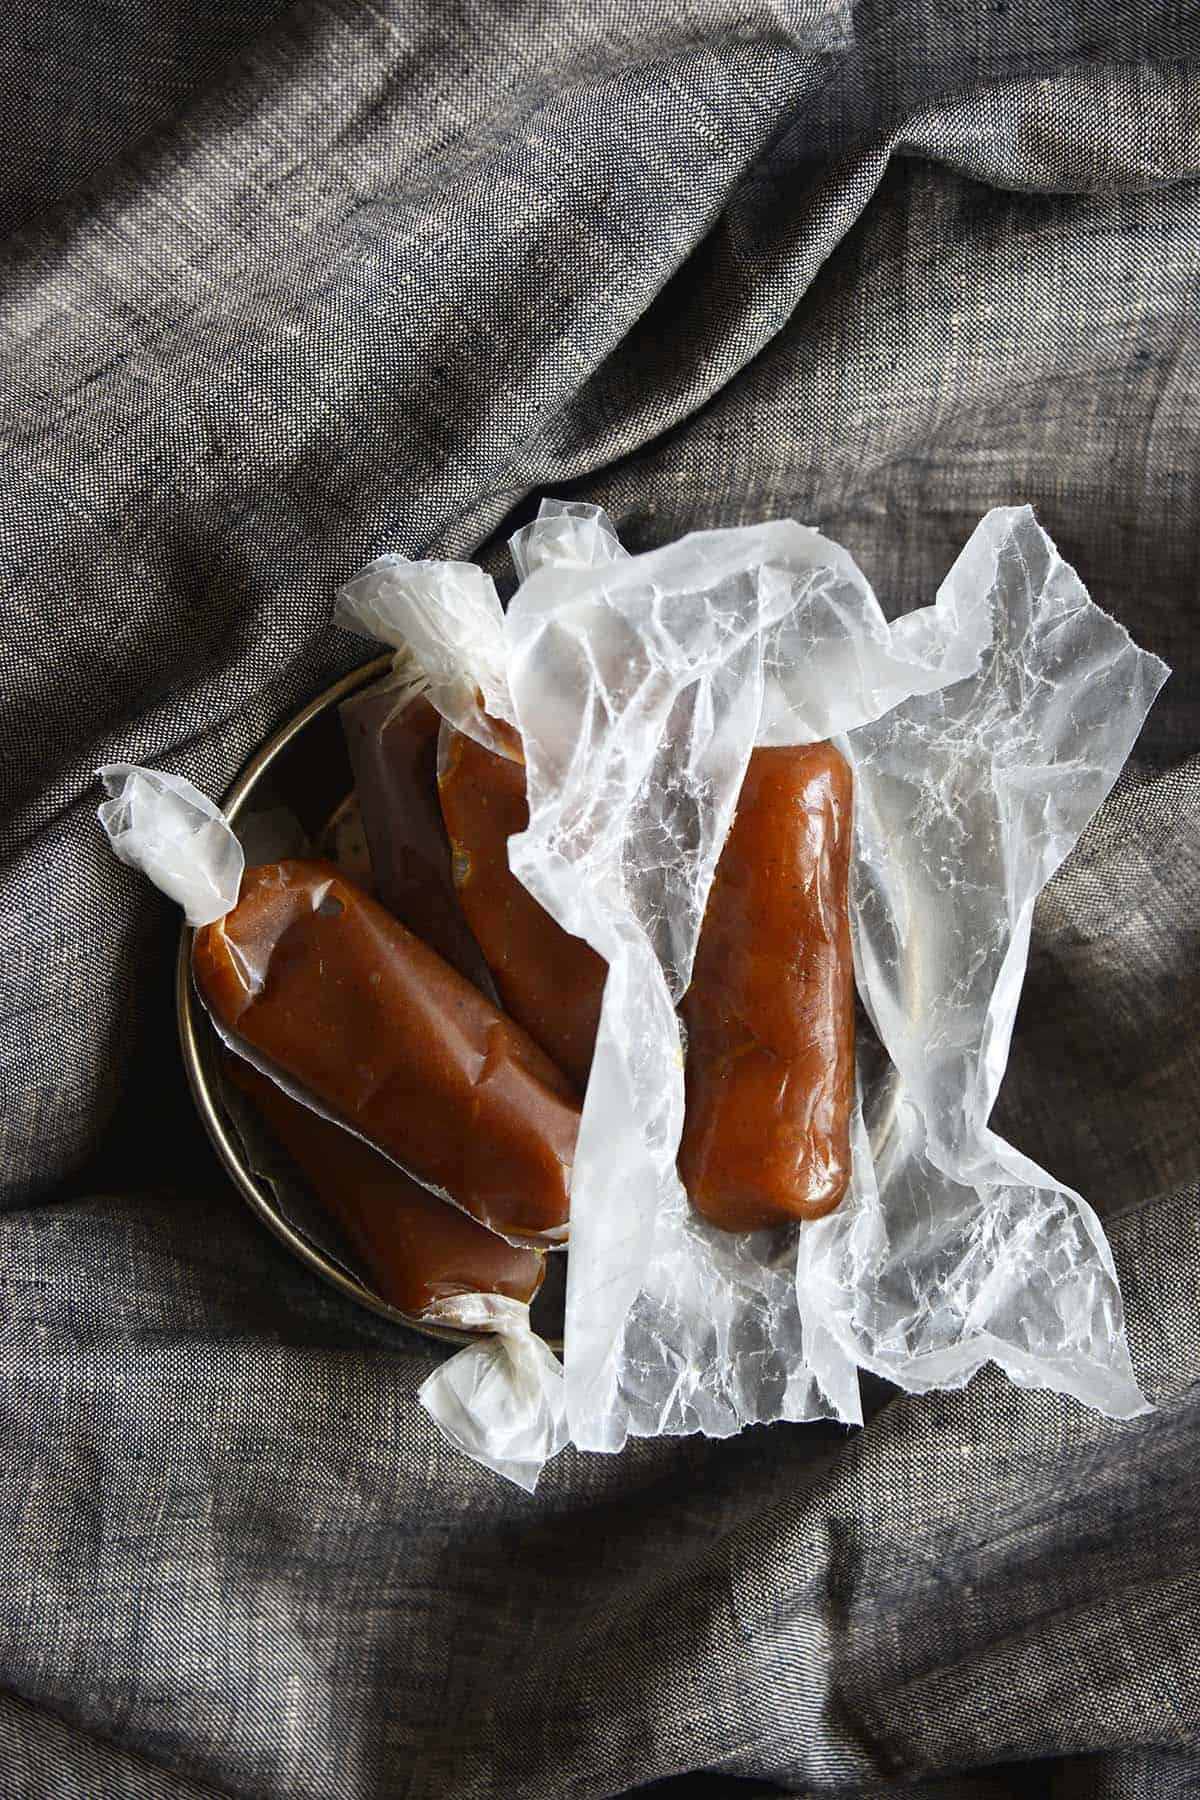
x=640, y=690
x=954, y=1248
x=161, y=824
x=983, y=732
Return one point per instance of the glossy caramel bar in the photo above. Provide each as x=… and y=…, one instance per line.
x=550, y=982
x=393, y=746
x=770, y=1009
x=319, y=984
x=413, y=1249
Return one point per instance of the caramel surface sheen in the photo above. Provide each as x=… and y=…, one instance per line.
x=325, y=988
x=550, y=982
x=770, y=1010
x=393, y=753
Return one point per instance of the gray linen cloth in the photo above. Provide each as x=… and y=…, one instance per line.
x=282, y=287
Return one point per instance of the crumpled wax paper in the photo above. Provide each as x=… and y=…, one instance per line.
x=953, y=1247
x=447, y=606
x=161, y=824
x=640, y=690
x=500, y=1400
x=983, y=732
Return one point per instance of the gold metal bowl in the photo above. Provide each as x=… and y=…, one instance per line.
x=305, y=770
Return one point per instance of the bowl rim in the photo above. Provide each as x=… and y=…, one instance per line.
x=190, y=1023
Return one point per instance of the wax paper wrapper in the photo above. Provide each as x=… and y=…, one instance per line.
x=501, y=1400
x=162, y=825
x=953, y=1248
x=640, y=686
x=983, y=732
x=448, y=636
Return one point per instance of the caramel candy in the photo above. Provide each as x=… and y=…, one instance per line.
x=316, y=983
x=770, y=1010
x=392, y=738
x=414, y=1250
x=550, y=982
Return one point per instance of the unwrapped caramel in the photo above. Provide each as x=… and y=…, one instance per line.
x=550, y=982
x=311, y=979
x=415, y=1251
x=770, y=1009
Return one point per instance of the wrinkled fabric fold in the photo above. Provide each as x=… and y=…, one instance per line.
x=290, y=286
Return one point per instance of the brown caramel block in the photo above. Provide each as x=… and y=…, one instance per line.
x=393, y=744
x=551, y=983
x=414, y=1249
x=770, y=1010
x=326, y=990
